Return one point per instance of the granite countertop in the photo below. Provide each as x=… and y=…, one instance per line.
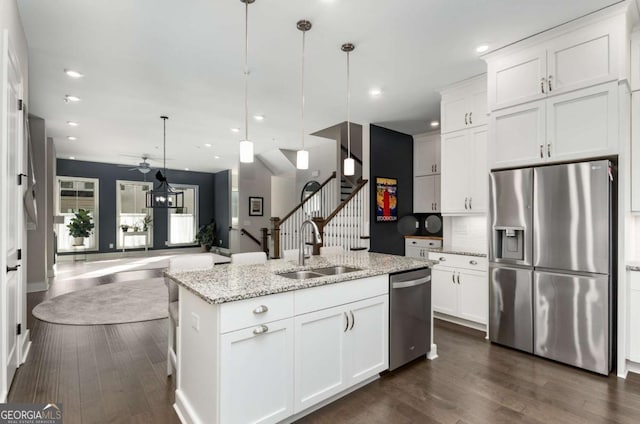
x=455, y=251
x=228, y=283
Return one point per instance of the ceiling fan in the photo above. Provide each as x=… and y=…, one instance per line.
x=144, y=166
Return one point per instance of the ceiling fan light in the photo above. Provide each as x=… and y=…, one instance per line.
x=302, y=159
x=246, y=151
x=144, y=170
x=349, y=166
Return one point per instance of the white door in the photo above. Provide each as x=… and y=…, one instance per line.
x=517, y=78
x=444, y=291
x=455, y=172
x=256, y=376
x=436, y=189
x=518, y=135
x=424, y=155
x=454, y=111
x=424, y=195
x=320, y=368
x=479, y=175
x=11, y=290
x=366, y=345
x=583, y=123
x=473, y=296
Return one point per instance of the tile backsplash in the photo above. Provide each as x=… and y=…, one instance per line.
x=466, y=232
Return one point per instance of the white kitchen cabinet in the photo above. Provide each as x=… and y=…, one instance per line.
x=557, y=63
x=464, y=172
x=419, y=247
x=464, y=105
x=634, y=316
x=576, y=125
x=426, y=194
x=635, y=152
x=426, y=154
x=460, y=289
x=635, y=60
x=256, y=377
x=338, y=347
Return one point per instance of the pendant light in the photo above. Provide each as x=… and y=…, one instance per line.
x=246, y=146
x=163, y=196
x=349, y=164
x=302, y=157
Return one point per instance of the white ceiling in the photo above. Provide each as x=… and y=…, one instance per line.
x=147, y=58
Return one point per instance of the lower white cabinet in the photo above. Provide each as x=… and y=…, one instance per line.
x=256, y=379
x=634, y=316
x=635, y=151
x=419, y=247
x=339, y=347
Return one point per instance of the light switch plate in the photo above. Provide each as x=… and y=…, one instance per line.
x=195, y=321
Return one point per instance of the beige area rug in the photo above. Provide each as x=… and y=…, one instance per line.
x=115, y=303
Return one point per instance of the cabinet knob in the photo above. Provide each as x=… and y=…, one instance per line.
x=472, y=262
x=442, y=259
x=260, y=330
x=260, y=309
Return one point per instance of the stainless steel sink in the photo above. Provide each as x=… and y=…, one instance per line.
x=335, y=270
x=301, y=275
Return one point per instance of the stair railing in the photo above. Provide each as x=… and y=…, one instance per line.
x=347, y=225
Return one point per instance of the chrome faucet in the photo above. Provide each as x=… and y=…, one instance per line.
x=318, y=238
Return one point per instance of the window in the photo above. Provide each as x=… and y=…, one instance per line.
x=183, y=222
x=131, y=211
x=73, y=193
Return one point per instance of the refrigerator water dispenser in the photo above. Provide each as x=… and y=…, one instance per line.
x=510, y=243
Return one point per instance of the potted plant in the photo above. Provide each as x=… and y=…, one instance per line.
x=146, y=222
x=206, y=236
x=80, y=226
x=124, y=227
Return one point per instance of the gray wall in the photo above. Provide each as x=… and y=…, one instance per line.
x=38, y=237
x=254, y=180
x=222, y=206
x=391, y=156
x=107, y=174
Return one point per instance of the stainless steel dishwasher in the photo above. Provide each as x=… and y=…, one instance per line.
x=409, y=316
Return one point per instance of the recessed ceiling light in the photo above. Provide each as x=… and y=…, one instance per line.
x=375, y=92
x=434, y=124
x=72, y=123
x=72, y=138
x=68, y=98
x=258, y=117
x=207, y=144
x=482, y=48
x=73, y=74
x=72, y=157
x=217, y=157
x=235, y=130
x=186, y=169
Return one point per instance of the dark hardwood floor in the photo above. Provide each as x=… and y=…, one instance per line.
x=117, y=374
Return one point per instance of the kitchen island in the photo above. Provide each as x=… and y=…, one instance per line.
x=256, y=346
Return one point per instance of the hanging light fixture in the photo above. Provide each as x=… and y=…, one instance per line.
x=302, y=157
x=163, y=196
x=349, y=164
x=246, y=146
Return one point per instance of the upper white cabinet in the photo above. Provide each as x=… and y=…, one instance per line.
x=426, y=194
x=575, y=125
x=557, y=63
x=426, y=154
x=464, y=105
x=464, y=172
x=635, y=60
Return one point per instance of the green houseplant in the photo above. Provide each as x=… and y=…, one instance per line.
x=80, y=226
x=206, y=236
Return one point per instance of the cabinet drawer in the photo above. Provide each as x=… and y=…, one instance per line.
x=460, y=261
x=408, y=242
x=255, y=311
x=317, y=298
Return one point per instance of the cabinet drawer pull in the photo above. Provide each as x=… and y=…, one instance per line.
x=542, y=85
x=436, y=167
x=353, y=320
x=470, y=203
x=260, y=309
x=541, y=151
x=465, y=118
x=466, y=203
x=472, y=262
x=549, y=150
x=549, y=81
x=260, y=330
x=458, y=278
x=470, y=120
x=346, y=318
x=432, y=170
x=453, y=277
x=442, y=259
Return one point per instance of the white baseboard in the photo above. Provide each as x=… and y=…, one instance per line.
x=433, y=353
x=25, y=346
x=460, y=321
x=185, y=412
x=51, y=272
x=37, y=286
x=95, y=256
x=3, y=396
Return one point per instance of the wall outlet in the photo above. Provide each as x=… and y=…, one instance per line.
x=110, y=245
x=195, y=321
x=166, y=242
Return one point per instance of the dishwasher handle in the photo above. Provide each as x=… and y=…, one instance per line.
x=410, y=283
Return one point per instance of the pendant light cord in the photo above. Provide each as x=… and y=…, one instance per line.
x=164, y=145
x=348, y=109
x=246, y=71
x=303, y=39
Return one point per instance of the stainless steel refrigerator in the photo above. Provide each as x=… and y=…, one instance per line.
x=551, y=262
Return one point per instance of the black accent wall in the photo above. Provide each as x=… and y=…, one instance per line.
x=391, y=155
x=213, y=192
